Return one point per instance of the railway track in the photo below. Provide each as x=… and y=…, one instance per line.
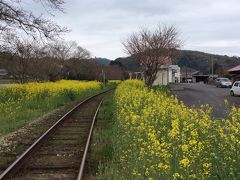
x=60, y=153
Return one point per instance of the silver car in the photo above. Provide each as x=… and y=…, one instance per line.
x=223, y=82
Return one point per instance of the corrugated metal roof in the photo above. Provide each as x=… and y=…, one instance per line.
x=237, y=68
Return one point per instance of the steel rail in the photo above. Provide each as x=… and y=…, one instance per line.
x=17, y=164
x=81, y=170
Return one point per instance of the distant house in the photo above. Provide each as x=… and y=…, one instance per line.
x=167, y=74
x=234, y=73
x=199, y=77
x=136, y=75
x=3, y=73
x=193, y=75
x=186, y=74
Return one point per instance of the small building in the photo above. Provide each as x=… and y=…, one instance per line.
x=3, y=73
x=167, y=74
x=199, y=77
x=234, y=73
x=193, y=75
x=136, y=75
x=186, y=74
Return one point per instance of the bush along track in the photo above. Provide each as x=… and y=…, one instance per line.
x=154, y=136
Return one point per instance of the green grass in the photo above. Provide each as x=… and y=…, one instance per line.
x=101, y=151
x=19, y=114
x=163, y=89
x=103, y=158
x=6, y=81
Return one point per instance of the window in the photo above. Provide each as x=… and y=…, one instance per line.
x=225, y=80
x=236, y=84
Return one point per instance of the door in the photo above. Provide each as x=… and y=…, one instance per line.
x=236, y=88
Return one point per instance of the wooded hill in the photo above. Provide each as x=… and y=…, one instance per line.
x=193, y=59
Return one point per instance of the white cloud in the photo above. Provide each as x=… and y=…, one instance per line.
x=100, y=25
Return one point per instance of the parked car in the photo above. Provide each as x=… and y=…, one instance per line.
x=189, y=81
x=235, y=90
x=223, y=82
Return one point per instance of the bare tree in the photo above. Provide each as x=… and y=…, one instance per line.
x=13, y=17
x=72, y=57
x=81, y=53
x=85, y=69
x=113, y=72
x=60, y=49
x=153, y=49
x=20, y=60
x=28, y=60
x=65, y=50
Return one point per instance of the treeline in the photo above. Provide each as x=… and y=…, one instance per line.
x=193, y=59
x=203, y=61
x=27, y=60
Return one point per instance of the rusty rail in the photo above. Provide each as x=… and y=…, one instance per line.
x=81, y=170
x=21, y=160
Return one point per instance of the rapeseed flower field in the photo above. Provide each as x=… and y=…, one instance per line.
x=19, y=103
x=158, y=137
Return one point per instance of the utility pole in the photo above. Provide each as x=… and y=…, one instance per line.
x=186, y=75
x=209, y=66
x=103, y=75
x=212, y=64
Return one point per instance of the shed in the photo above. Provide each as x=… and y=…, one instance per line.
x=234, y=73
x=200, y=77
x=167, y=74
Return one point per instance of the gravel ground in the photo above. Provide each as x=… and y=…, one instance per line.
x=13, y=144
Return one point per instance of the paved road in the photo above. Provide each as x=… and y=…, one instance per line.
x=198, y=94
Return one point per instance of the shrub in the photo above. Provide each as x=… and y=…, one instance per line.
x=158, y=137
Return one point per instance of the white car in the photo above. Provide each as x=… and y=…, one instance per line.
x=235, y=90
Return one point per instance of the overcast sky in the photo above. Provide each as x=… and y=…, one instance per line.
x=205, y=25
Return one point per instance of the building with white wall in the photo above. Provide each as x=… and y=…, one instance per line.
x=167, y=74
